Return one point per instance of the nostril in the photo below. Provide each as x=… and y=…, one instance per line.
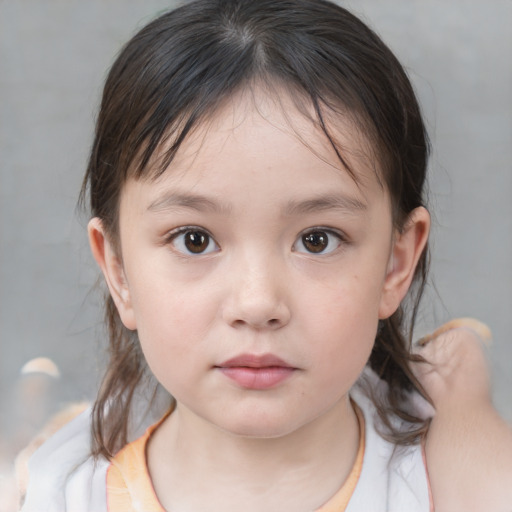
x=244, y=312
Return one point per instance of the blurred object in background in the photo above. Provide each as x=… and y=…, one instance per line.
x=34, y=399
x=41, y=365
x=33, y=402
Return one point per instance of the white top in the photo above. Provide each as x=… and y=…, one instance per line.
x=65, y=478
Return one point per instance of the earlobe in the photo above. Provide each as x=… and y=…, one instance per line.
x=407, y=249
x=107, y=258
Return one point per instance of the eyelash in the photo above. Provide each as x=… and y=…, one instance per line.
x=320, y=232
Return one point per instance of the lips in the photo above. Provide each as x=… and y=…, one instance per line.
x=256, y=372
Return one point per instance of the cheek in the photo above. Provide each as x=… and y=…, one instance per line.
x=162, y=297
x=177, y=326
x=344, y=320
x=349, y=299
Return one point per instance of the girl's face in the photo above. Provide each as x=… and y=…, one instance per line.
x=255, y=269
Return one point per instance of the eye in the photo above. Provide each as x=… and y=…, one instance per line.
x=318, y=241
x=193, y=241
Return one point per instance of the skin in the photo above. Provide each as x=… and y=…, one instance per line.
x=257, y=289
x=469, y=446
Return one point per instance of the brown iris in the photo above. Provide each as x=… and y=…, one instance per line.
x=196, y=241
x=315, y=241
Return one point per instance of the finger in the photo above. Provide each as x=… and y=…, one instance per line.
x=479, y=328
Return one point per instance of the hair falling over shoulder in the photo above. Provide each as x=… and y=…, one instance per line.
x=125, y=372
x=178, y=70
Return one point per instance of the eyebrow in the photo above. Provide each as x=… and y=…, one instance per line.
x=342, y=203
x=173, y=201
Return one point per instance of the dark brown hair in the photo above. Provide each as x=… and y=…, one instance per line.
x=178, y=70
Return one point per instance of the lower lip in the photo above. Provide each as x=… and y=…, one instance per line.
x=257, y=378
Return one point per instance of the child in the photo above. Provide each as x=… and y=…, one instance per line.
x=256, y=190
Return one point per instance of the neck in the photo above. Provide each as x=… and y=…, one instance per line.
x=297, y=471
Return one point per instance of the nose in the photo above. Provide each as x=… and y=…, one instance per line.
x=257, y=296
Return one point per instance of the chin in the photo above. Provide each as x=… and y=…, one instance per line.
x=259, y=427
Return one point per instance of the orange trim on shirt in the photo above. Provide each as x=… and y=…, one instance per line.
x=129, y=486
x=339, y=502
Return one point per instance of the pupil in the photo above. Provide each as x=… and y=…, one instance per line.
x=315, y=242
x=196, y=241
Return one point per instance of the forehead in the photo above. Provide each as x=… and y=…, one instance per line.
x=337, y=137
x=278, y=137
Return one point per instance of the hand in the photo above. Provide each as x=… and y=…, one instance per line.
x=457, y=370
x=468, y=445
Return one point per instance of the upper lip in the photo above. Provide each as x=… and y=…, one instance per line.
x=255, y=361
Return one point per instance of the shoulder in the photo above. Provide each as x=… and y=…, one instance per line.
x=62, y=473
x=469, y=458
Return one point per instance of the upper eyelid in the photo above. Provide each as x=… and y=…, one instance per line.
x=183, y=229
x=169, y=235
x=337, y=232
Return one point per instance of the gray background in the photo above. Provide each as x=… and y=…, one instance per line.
x=53, y=58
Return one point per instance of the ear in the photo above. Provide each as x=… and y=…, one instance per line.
x=408, y=245
x=107, y=258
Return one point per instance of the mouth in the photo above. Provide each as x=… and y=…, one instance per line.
x=256, y=372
